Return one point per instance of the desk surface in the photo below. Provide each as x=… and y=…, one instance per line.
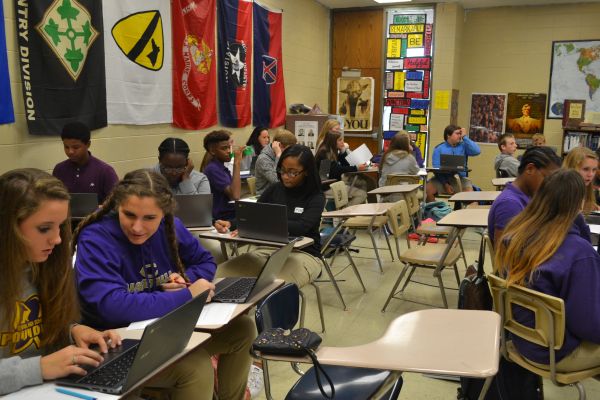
x=466, y=218
x=366, y=210
x=391, y=189
x=226, y=237
x=447, y=170
x=47, y=390
x=370, y=169
x=502, y=181
x=487, y=196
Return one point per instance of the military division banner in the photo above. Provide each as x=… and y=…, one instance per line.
x=269, y=92
x=61, y=55
x=194, y=68
x=138, y=61
x=235, y=61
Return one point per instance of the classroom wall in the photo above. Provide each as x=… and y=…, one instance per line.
x=306, y=60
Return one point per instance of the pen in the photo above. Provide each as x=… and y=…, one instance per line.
x=181, y=283
x=75, y=394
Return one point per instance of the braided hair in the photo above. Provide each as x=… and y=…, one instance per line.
x=173, y=146
x=141, y=183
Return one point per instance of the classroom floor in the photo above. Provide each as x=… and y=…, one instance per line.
x=363, y=321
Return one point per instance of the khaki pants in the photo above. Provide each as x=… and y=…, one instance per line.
x=585, y=356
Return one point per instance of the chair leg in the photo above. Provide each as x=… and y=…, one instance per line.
x=412, y=271
x=302, y=308
x=387, y=239
x=376, y=250
x=397, y=245
x=580, y=390
x=320, y=305
x=351, y=260
x=334, y=282
x=442, y=290
x=266, y=380
x=462, y=252
x=485, y=388
x=395, y=287
x=456, y=274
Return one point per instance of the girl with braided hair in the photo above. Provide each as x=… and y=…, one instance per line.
x=136, y=261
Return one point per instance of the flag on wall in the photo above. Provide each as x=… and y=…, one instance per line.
x=235, y=61
x=61, y=52
x=137, y=35
x=7, y=115
x=269, y=93
x=194, y=69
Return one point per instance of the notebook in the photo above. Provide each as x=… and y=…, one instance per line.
x=262, y=221
x=83, y=204
x=240, y=289
x=452, y=161
x=126, y=365
x=194, y=210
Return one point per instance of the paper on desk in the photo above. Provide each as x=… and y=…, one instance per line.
x=139, y=325
x=360, y=155
x=216, y=314
x=595, y=229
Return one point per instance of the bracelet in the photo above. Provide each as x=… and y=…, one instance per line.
x=73, y=325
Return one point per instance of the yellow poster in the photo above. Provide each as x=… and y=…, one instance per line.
x=415, y=41
x=417, y=28
x=417, y=112
x=441, y=99
x=417, y=120
x=398, y=80
x=393, y=48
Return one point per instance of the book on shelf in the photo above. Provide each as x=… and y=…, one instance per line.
x=580, y=139
x=573, y=113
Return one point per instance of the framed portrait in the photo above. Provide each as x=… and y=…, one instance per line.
x=355, y=103
x=525, y=116
x=487, y=117
x=574, y=74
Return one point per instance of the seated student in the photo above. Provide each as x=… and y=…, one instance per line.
x=416, y=151
x=224, y=185
x=133, y=261
x=333, y=151
x=542, y=249
x=538, y=139
x=258, y=140
x=456, y=142
x=299, y=188
x=536, y=164
x=398, y=159
x=584, y=161
x=266, y=163
x=506, y=164
x=331, y=125
x=176, y=166
x=82, y=172
x=38, y=303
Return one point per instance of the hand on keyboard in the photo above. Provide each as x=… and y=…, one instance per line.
x=200, y=286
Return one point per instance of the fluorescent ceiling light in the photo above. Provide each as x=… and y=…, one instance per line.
x=392, y=1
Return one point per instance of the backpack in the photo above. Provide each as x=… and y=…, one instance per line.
x=436, y=210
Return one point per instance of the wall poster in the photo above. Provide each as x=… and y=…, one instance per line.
x=487, y=117
x=355, y=103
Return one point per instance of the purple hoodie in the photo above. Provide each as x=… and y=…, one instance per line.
x=573, y=274
x=119, y=282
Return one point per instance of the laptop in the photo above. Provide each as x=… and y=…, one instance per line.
x=241, y=289
x=194, y=210
x=126, y=365
x=451, y=161
x=83, y=204
x=262, y=221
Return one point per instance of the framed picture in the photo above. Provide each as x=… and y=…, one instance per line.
x=355, y=103
x=487, y=117
x=574, y=74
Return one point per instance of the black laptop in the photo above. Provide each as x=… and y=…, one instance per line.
x=262, y=221
x=194, y=210
x=83, y=204
x=451, y=161
x=126, y=365
x=240, y=289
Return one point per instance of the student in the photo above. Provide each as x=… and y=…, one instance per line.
x=258, y=140
x=133, y=261
x=176, y=166
x=543, y=249
x=266, y=163
x=299, y=188
x=456, y=142
x=584, y=161
x=38, y=304
x=331, y=125
x=536, y=164
x=538, y=139
x=506, y=164
x=224, y=185
x=333, y=151
x=398, y=159
x=82, y=172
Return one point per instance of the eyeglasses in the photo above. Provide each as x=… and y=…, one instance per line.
x=171, y=170
x=289, y=174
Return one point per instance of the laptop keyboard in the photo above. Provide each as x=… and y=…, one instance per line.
x=240, y=289
x=114, y=373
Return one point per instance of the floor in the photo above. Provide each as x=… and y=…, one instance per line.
x=363, y=321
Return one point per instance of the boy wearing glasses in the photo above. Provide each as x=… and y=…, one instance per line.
x=266, y=163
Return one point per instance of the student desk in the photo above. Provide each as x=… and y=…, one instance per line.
x=467, y=218
x=501, y=182
x=355, y=174
x=395, y=189
x=47, y=390
x=359, y=210
x=487, y=197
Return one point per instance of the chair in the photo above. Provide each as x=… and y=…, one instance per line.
x=458, y=182
x=280, y=310
x=549, y=330
x=399, y=211
x=435, y=256
x=397, y=179
x=251, y=181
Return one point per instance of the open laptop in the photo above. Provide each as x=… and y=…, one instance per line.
x=126, y=365
x=262, y=221
x=83, y=204
x=240, y=289
x=194, y=210
x=452, y=161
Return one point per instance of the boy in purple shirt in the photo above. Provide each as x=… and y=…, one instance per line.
x=82, y=172
x=224, y=185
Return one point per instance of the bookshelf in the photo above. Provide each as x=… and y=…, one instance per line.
x=588, y=136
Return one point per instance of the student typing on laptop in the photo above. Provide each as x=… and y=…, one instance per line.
x=37, y=293
x=299, y=188
x=136, y=261
x=456, y=142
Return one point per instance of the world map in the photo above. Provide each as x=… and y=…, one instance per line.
x=575, y=75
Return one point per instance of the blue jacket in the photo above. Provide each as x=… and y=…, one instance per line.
x=466, y=148
x=119, y=282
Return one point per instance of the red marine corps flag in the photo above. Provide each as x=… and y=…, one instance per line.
x=194, y=68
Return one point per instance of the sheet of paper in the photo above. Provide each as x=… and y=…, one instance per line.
x=441, y=99
x=396, y=122
x=216, y=314
x=360, y=155
x=139, y=325
x=595, y=229
x=592, y=117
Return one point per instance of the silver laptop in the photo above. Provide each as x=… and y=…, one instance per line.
x=451, y=161
x=262, y=221
x=126, y=365
x=83, y=204
x=194, y=210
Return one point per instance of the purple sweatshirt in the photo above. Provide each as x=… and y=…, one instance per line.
x=119, y=282
x=573, y=274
